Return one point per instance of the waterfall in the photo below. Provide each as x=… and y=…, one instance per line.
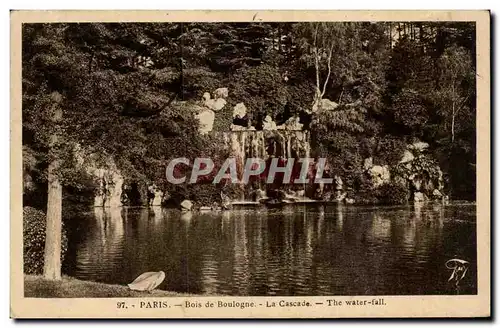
x=265, y=144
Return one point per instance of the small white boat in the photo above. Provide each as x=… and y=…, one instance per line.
x=147, y=281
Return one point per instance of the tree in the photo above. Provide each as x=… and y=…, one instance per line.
x=98, y=86
x=318, y=41
x=52, y=256
x=455, y=91
x=262, y=89
x=45, y=58
x=432, y=80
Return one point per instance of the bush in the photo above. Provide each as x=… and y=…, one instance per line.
x=34, y=222
x=391, y=194
x=204, y=194
x=389, y=150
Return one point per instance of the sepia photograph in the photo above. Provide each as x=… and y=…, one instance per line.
x=165, y=164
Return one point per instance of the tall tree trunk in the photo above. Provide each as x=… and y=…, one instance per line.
x=273, y=37
x=453, y=123
x=53, y=230
x=279, y=38
x=319, y=93
x=390, y=35
x=453, y=112
x=421, y=38
x=52, y=256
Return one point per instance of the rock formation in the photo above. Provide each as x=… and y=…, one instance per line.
x=235, y=127
x=109, y=180
x=239, y=111
x=269, y=124
x=292, y=124
x=186, y=205
x=379, y=174
x=421, y=173
x=109, y=186
x=114, y=184
x=407, y=157
x=221, y=93
x=206, y=117
x=157, y=198
x=324, y=104
x=213, y=104
x=209, y=106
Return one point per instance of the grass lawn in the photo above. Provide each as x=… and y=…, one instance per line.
x=36, y=286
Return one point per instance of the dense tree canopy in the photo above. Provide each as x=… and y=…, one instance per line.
x=128, y=90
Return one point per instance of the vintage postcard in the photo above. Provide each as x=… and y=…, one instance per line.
x=250, y=164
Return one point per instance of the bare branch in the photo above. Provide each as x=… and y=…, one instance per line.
x=329, y=70
x=462, y=104
x=316, y=59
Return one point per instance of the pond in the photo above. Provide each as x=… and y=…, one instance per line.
x=295, y=250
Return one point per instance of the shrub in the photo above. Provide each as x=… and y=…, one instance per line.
x=391, y=194
x=34, y=222
x=204, y=194
x=389, y=150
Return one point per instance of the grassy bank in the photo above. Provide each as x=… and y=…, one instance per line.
x=36, y=286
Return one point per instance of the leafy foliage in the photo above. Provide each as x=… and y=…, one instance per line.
x=263, y=91
x=34, y=240
x=437, y=65
x=410, y=111
x=418, y=166
x=390, y=194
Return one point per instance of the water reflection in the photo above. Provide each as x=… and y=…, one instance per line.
x=108, y=239
x=319, y=250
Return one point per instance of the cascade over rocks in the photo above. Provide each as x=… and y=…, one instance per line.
x=416, y=170
x=266, y=145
